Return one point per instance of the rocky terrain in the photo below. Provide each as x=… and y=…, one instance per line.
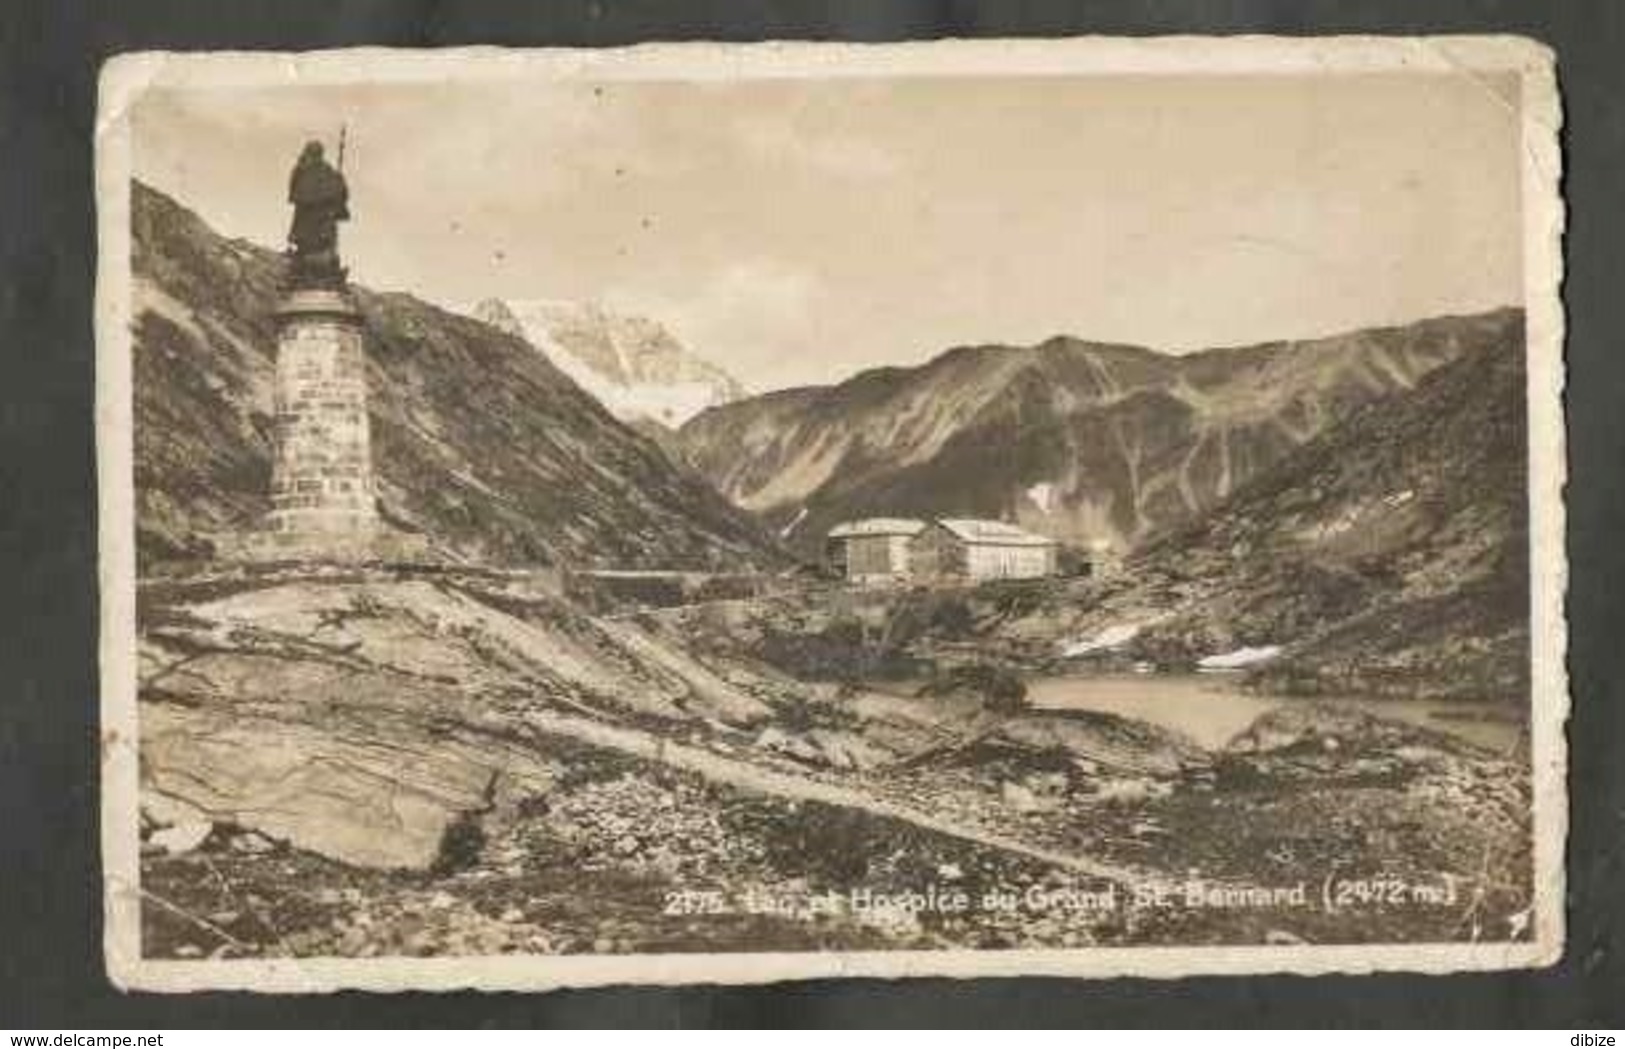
x=633, y=365
x=478, y=440
x=388, y=761
x=1076, y=440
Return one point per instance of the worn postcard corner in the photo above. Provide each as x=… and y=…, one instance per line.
x=726, y=513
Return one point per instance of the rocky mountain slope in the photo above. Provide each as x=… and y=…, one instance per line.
x=633, y=365
x=436, y=761
x=1387, y=555
x=1078, y=440
x=479, y=442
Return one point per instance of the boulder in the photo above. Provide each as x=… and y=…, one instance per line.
x=379, y=795
x=182, y=837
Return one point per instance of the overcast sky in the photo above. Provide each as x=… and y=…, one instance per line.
x=797, y=231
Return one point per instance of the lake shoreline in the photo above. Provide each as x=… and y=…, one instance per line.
x=1493, y=725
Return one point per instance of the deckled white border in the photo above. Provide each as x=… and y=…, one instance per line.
x=126, y=77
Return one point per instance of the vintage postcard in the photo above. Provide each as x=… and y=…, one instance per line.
x=730, y=513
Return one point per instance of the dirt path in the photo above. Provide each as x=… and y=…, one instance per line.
x=737, y=773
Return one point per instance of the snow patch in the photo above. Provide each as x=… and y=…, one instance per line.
x=1042, y=495
x=801, y=515
x=1240, y=658
x=1113, y=636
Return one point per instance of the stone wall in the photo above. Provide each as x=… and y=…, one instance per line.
x=383, y=545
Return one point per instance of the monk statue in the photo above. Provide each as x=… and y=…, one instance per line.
x=320, y=202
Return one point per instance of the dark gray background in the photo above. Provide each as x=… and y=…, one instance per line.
x=51, y=972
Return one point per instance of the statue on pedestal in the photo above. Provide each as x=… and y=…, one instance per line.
x=321, y=200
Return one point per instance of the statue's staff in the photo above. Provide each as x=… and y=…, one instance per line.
x=343, y=128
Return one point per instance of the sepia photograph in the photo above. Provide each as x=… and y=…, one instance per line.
x=730, y=513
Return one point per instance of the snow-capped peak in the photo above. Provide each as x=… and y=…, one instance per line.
x=633, y=365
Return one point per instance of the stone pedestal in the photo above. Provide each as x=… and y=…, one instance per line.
x=321, y=482
x=324, y=506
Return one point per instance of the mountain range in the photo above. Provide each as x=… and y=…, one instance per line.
x=633, y=365
x=478, y=440
x=1386, y=555
x=1356, y=502
x=1082, y=441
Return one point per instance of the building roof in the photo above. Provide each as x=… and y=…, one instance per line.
x=877, y=526
x=993, y=533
